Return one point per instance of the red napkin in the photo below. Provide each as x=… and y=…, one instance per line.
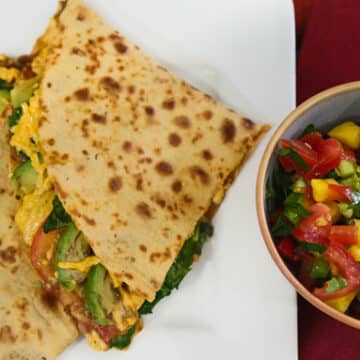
x=329, y=55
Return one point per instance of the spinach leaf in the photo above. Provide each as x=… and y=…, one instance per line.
x=4, y=85
x=14, y=118
x=294, y=156
x=309, y=129
x=58, y=218
x=181, y=265
x=123, y=341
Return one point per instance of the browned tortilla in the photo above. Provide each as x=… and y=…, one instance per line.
x=32, y=325
x=136, y=153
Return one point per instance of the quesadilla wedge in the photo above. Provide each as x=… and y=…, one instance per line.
x=33, y=325
x=118, y=166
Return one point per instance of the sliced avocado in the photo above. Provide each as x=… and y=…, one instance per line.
x=23, y=90
x=25, y=177
x=72, y=246
x=99, y=295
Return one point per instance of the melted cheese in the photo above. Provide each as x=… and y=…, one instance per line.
x=96, y=342
x=82, y=266
x=9, y=74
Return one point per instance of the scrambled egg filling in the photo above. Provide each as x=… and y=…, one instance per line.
x=34, y=208
x=9, y=74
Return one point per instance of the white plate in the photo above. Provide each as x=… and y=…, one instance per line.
x=234, y=304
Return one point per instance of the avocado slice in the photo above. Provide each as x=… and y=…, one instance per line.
x=23, y=91
x=72, y=246
x=25, y=177
x=99, y=295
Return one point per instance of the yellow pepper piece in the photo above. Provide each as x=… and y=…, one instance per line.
x=354, y=250
x=342, y=303
x=348, y=133
x=334, y=211
x=320, y=188
x=82, y=266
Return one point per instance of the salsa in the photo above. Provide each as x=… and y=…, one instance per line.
x=313, y=206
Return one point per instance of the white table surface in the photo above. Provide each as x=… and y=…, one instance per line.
x=234, y=303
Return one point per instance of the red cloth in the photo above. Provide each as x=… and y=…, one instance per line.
x=329, y=55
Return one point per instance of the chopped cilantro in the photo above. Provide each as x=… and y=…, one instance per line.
x=309, y=129
x=294, y=211
x=58, y=218
x=294, y=156
x=282, y=227
x=313, y=247
x=181, y=265
x=335, y=284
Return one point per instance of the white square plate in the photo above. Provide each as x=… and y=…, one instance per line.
x=234, y=304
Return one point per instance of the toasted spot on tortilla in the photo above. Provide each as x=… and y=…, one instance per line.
x=120, y=47
x=60, y=190
x=176, y=186
x=40, y=336
x=182, y=121
x=149, y=110
x=164, y=168
x=115, y=184
x=49, y=298
x=110, y=164
x=168, y=104
x=80, y=168
x=160, y=256
x=6, y=335
x=26, y=325
x=139, y=183
x=51, y=142
x=143, y=209
x=174, y=139
x=128, y=276
x=143, y=248
x=99, y=119
x=228, y=131
x=159, y=200
x=89, y=221
x=207, y=114
x=77, y=51
x=81, y=15
x=85, y=152
x=248, y=124
x=187, y=199
x=82, y=94
x=207, y=155
x=110, y=85
x=127, y=146
x=8, y=255
x=154, y=283
x=131, y=89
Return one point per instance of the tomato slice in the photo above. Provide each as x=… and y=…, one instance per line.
x=315, y=228
x=40, y=246
x=344, y=234
x=304, y=151
x=348, y=154
x=348, y=268
x=286, y=247
x=330, y=152
x=314, y=139
x=338, y=192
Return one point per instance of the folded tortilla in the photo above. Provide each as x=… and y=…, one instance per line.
x=33, y=325
x=136, y=155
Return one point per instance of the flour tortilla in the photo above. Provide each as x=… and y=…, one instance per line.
x=31, y=327
x=136, y=154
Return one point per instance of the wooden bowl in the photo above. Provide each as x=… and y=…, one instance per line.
x=324, y=110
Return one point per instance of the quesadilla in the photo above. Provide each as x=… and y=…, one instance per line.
x=118, y=166
x=33, y=324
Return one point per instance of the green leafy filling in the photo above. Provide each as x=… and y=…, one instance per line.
x=309, y=129
x=123, y=341
x=181, y=265
x=15, y=117
x=58, y=218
